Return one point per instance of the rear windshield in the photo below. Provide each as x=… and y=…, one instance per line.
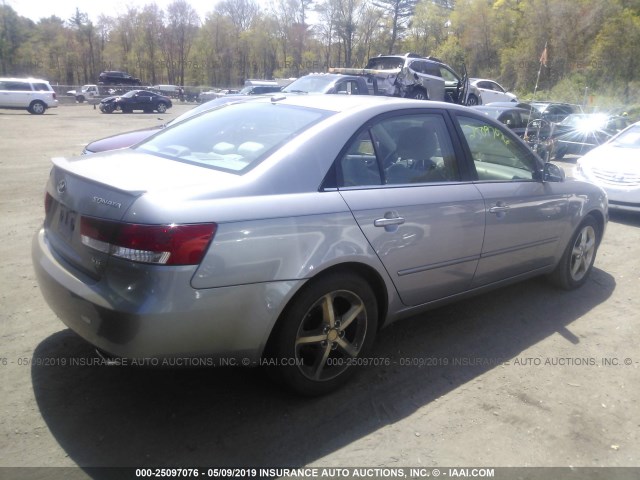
x=385, y=63
x=233, y=138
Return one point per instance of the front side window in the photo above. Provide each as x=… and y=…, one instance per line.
x=496, y=155
x=448, y=75
x=408, y=149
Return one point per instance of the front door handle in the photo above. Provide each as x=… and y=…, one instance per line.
x=499, y=209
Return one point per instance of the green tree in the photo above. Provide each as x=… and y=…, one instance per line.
x=398, y=13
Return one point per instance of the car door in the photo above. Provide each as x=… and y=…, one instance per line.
x=17, y=94
x=429, y=76
x=401, y=179
x=525, y=216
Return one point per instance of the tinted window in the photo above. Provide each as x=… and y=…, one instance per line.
x=349, y=88
x=17, y=86
x=496, y=156
x=233, y=138
x=418, y=66
x=400, y=150
x=41, y=87
x=448, y=75
x=385, y=63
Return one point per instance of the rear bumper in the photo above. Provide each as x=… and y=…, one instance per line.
x=154, y=312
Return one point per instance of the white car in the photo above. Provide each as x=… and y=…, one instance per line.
x=32, y=94
x=615, y=166
x=485, y=91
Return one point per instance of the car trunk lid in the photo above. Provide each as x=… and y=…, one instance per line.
x=85, y=188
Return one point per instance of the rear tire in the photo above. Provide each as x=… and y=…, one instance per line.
x=578, y=258
x=326, y=328
x=37, y=107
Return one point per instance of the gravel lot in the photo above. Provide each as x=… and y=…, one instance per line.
x=523, y=376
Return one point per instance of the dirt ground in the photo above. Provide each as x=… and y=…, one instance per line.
x=524, y=376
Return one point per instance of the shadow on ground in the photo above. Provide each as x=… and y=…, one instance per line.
x=134, y=416
x=630, y=219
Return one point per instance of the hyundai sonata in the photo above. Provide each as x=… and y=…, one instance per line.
x=294, y=228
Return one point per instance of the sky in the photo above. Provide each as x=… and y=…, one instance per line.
x=65, y=9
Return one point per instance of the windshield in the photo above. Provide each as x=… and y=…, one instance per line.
x=233, y=138
x=629, y=138
x=587, y=122
x=130, y=93
x=310, y=84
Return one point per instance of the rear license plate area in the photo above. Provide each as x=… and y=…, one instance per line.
x=66, y=222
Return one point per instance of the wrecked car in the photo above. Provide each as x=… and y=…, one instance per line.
x=412, y=76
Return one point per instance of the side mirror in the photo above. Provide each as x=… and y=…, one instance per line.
x=552, y=173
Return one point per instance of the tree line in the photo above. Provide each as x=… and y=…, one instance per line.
x=589, y=45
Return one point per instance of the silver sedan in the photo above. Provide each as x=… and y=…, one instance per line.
x=289, y=230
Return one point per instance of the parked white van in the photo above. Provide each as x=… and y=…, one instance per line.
x=33, y=94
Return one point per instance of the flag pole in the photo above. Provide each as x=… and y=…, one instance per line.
x=543, y=61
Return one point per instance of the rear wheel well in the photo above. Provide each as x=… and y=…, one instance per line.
x=368, y=274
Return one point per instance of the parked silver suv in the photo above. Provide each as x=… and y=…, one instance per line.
x=32, y=94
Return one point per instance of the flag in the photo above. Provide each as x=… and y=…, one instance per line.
x=543, y=57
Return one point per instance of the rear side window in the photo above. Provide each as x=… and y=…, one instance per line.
x=407, y=149
x=41, y=87
x=496, y=156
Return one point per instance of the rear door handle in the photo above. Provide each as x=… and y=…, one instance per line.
x=385, y=222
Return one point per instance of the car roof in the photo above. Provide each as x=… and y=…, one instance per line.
x=343, y=103
x=501, y=108
x=23, y=79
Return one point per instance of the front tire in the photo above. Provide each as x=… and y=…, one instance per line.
x=328, y=326
x=472, y=100
x=577, y=261
x=162, y=107
x=419, y=94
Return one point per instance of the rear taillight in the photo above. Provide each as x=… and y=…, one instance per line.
x=158, y=244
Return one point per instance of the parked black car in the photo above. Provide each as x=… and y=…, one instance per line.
x=517, y=119
x=525, y=121
x=136, y=100
x=579, y=133
x=556, y=112
x=117, y=78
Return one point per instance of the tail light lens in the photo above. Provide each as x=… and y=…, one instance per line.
x=157, y=244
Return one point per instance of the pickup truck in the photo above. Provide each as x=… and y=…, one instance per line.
x=411, y=76
x=86, y=92
x=329, y=83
